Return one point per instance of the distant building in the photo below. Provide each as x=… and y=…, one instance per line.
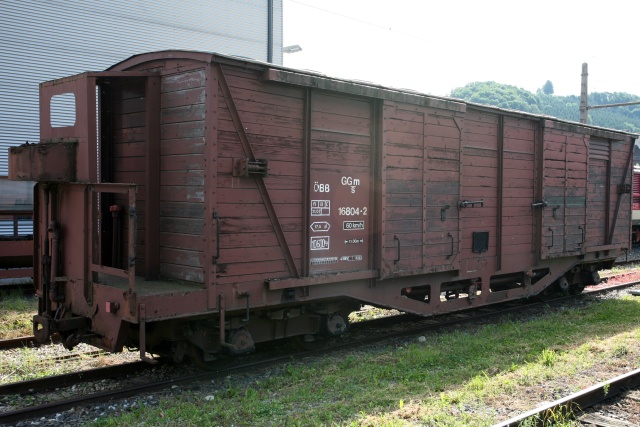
x=44, y=40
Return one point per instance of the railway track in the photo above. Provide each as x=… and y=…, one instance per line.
x=29, y=341
x=25, y=288
x=21, y=342
x=578, y=402
x=622, y=410
x=409, y=326
x=631, y=257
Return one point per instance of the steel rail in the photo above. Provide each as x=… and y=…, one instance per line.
x=430, y=325
x=25, y=288
x=121, y=393
x=30, y=341
x=62, y=405
x=578, y=402
x=13, y=343
x=483, y=312
x=489, y=310
x=66, y=380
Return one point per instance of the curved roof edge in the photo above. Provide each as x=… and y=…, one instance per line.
x=208, y=57
x=141, y=58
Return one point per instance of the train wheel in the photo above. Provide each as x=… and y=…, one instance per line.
x=563, y=284
x=594, y=279
x=334, y=324
x=240, y=341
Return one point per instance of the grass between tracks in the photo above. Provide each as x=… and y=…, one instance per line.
x=465, y=378
x=16, y=312
x=21, y=364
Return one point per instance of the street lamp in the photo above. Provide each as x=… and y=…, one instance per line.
x=291, y=49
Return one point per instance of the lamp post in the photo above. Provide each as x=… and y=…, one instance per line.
x=291, y=49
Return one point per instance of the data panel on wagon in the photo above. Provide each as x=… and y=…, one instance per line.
x=340, y=211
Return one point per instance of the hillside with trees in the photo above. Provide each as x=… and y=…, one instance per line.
x=562, y=107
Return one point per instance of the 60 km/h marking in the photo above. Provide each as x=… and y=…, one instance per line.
x=353, y=225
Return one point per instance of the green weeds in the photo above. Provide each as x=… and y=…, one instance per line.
x=562, y=416
x=16, y=312
x=458, y=379
x=548, y=357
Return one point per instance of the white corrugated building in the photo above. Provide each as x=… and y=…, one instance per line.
x=44, y=40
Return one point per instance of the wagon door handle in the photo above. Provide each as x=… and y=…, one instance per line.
x=581, y=229
x=217, y=220
x=551, y=230
x=466, y=203
x=451, y=254
x=541, y=204
x=395, y=261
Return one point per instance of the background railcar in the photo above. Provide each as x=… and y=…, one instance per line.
x=635, y=214
x=212, y=202
x=16, y=230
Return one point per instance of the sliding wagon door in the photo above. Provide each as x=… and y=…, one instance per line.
x=565, y=194
x=340, y=211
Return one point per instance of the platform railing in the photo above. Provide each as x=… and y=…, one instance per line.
x=129, y=269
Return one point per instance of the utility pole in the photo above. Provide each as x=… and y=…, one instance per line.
x=584, y=98
x=584, y=95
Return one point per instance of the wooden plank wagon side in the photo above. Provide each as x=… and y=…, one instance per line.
x=202, y=203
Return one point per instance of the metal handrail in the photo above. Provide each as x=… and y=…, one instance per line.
x=129, y=272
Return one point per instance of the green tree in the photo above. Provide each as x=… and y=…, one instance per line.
x=562, y=107
x=548, y=88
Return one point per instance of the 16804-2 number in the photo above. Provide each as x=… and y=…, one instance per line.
x=349, y=211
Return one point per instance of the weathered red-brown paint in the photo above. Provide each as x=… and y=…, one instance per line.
x=369, y=192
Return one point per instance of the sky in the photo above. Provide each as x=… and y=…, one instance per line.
x=436, y=46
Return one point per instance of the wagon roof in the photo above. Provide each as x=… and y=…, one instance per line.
x=319, y=80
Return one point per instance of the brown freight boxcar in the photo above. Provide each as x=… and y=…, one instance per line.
x=213, y=202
